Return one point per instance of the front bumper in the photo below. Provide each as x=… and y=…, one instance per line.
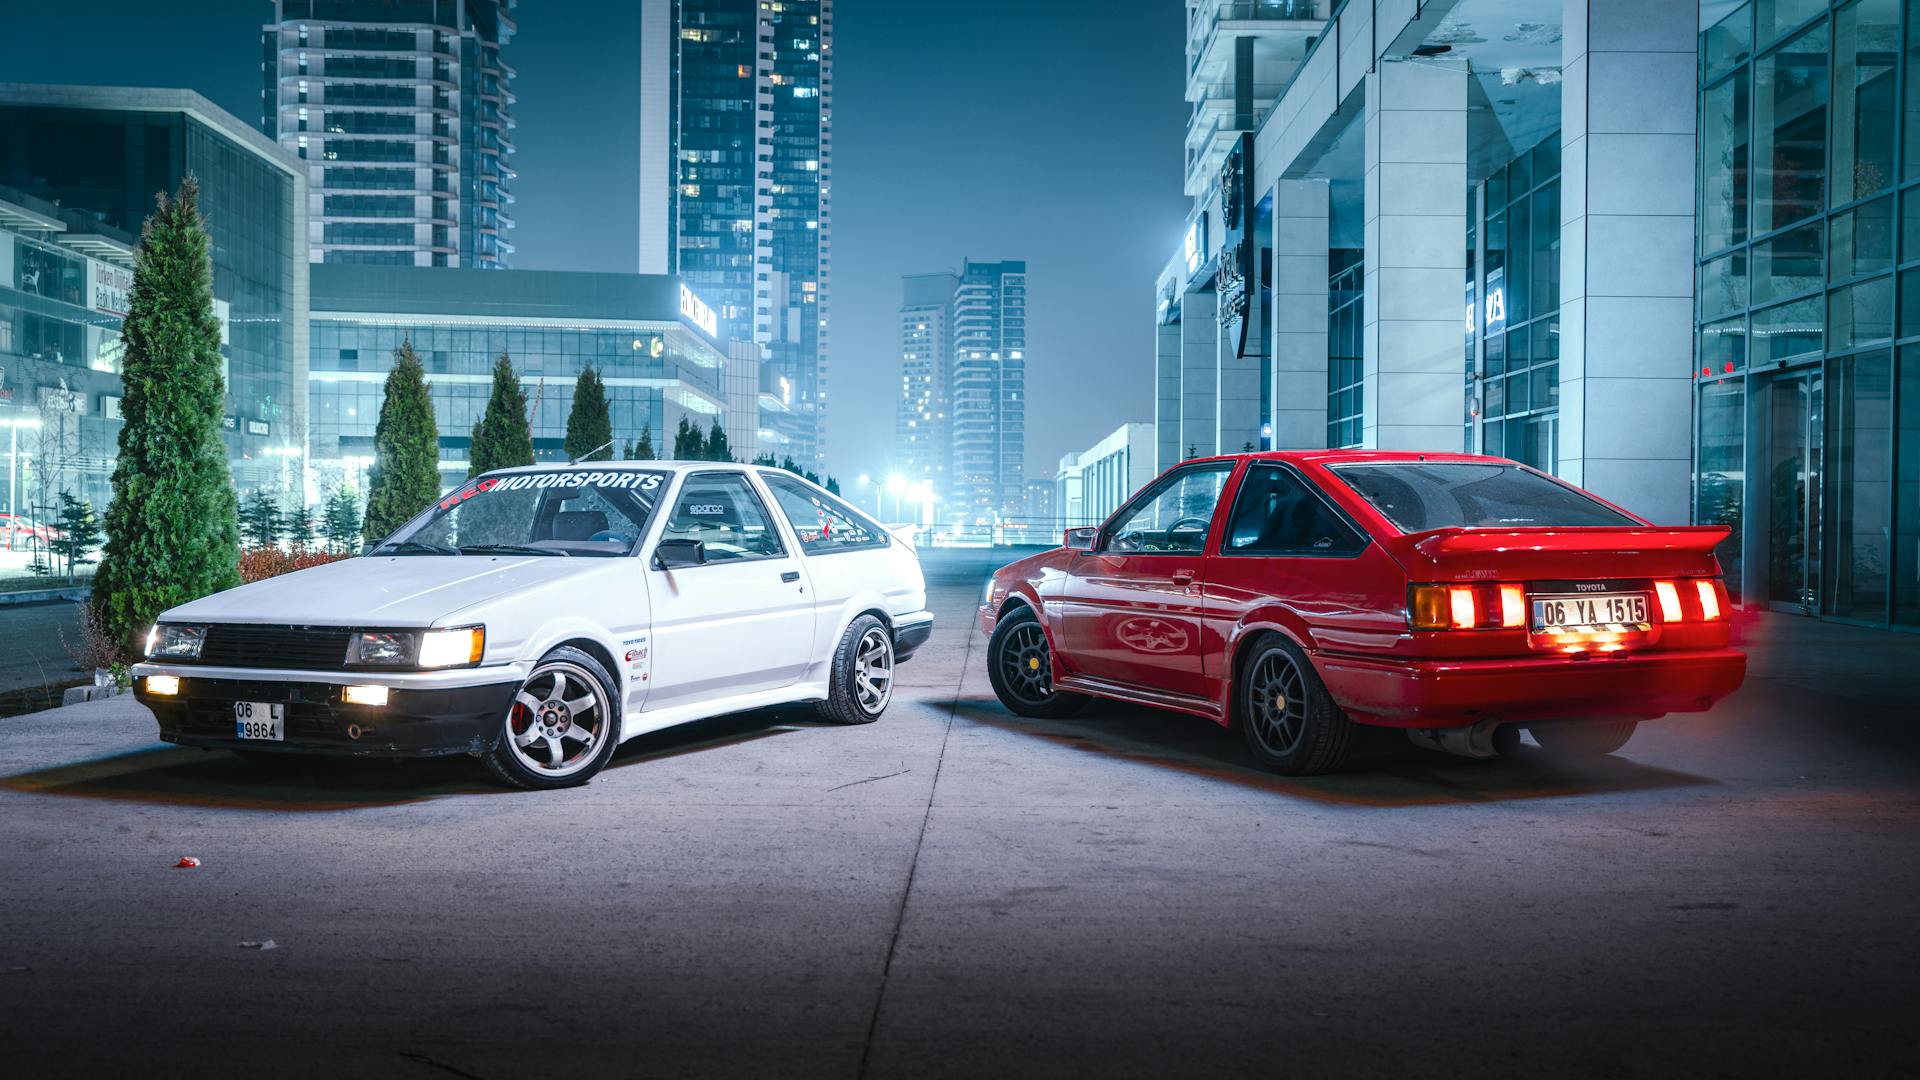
x=427, y=714
x=911, y=631
x=1452, y=693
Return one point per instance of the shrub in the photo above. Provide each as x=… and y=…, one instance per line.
x=259, y=564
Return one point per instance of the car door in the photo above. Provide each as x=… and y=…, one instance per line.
x=740, y=622
x=1130, y=610
x=1289, y=556
x=845, y=552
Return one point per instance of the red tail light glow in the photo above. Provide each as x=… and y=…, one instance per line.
x=1669, y=595
x=1460, y=600
x=1709, y=598
x=1513, y=606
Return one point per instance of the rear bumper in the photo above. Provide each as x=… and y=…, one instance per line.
x=1451, y=693
x=911, y=631
x=427, y=714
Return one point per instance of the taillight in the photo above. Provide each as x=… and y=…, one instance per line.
x=1669, y=595
x=1709, y=597
x=1466, y=607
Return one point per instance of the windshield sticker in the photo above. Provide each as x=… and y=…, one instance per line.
x=625, y=480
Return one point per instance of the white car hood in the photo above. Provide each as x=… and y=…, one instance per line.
x=396, y=591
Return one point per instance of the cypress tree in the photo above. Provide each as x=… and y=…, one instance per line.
x=590, y=423
x=503, y=438
x=643, y=450
x=172, y=526
x=406, y=449
x=717, y=448
x=688, y=444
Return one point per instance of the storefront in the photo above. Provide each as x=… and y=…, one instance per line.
x=1807, y=376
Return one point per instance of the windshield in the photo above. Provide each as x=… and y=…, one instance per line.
x=1417, y=496
x=563, y=513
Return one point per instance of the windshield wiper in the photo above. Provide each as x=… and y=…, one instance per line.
x=518, y=549
x=401, y=547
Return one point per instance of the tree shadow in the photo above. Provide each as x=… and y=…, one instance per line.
x=1385, y=770
x=216, y=779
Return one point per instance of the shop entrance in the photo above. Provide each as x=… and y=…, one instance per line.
x=1794, y=427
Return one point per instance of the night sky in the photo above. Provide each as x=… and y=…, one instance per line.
x=990, y=129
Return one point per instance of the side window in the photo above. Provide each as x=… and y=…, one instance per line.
x=721, y=511
x=1277, y=513
x=1175, y=513
x=822, y=522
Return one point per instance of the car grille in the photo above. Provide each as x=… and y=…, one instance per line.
x=296, y=647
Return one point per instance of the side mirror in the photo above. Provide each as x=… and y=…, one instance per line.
x=1081, y=539
x=671, y=554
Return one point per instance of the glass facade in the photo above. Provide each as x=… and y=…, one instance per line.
x=656, y=368
x=1513, y=338
x=1346, y=275
x=1806, y=428
x=101, y=168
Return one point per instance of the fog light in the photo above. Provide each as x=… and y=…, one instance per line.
x=364, y=695
x=163, y=685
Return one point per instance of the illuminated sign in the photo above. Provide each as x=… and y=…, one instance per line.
x=1195, y=247
x=696, y=311
x=110, y=286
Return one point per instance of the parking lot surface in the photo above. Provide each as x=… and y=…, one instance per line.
x=955, y=891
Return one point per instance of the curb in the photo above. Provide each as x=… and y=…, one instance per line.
x=36, y=596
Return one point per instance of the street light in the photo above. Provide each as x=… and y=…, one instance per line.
x=896, y=485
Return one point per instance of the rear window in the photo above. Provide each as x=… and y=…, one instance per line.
x=1417, y=496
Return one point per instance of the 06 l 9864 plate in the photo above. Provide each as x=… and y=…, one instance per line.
x=260, y=720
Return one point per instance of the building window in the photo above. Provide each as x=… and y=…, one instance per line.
x=1518, y=319
x=1345, y=365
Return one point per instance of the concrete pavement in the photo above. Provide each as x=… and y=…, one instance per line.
x=955, y=891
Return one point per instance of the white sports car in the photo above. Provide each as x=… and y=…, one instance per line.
x=536, y=617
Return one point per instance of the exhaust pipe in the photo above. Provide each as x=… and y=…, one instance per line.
x=1486, y=739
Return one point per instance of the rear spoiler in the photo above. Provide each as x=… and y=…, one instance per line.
x=1461, y=553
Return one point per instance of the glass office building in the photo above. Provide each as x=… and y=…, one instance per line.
x=1807, y=374
x=654, y=342
x=99, y=154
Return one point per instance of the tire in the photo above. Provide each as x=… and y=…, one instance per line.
x=581, y=707
x=1291, y=724
x=1576, y=740
x=861, y=681
x=1020, y=667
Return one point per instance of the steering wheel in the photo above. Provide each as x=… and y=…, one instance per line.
x=1175, y=527
x=1129, y=540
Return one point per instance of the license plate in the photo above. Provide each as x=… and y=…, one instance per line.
x=1598, y=611
x=260, y=720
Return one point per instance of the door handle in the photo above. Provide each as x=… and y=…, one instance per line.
x=790, y=576
x=1183, y=578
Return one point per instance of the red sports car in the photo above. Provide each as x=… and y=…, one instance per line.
x=1297, y=594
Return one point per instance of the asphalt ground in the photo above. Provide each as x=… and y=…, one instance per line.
x=955, y=891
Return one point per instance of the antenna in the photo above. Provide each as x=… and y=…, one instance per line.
x=590, y=453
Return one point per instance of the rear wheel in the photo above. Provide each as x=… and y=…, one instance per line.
x=562, y=726
x=1573, y=740
x=1290, y=722
x=1020, y=667
x=862, y=678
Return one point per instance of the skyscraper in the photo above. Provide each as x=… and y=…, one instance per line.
x=735, y=163
x=402, y=110
x=920, y=433
x=987, y=391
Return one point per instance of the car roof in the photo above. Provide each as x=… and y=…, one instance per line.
x=1352, y=457
x=648, y=466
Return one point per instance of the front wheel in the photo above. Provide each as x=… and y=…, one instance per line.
x=1291, y=724
x=861, y=682
x=1020, y=667
x=1575, y=740
x=562, y=726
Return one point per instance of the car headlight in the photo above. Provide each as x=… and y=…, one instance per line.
x=446, y=648
x=383, y=648
x=170, y=642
